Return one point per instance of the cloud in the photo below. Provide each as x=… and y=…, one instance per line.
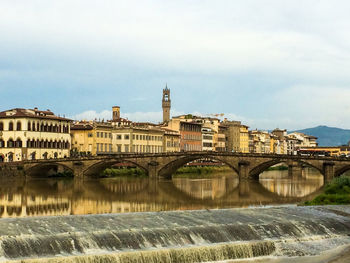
x=155, y=117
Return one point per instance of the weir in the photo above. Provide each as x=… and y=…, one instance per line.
x=186, y=236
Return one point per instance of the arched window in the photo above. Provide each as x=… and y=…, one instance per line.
x=33, y=126
x=37, y=127
x=11, y=126
x=19, y=126
x=18, y=143
x=1, y=126
x=10, y=143
x=42, y=145
x=38, y=144
x=29, y=126
x=55, y=144
x=29, y=145
x=2, y=143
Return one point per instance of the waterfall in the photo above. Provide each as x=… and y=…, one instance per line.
x=183, y=255
x=185, y=236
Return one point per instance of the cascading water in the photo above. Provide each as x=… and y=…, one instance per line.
x=187, y=236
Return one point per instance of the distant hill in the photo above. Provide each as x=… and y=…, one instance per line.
x=328, y=136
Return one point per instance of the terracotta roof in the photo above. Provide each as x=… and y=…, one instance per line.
x=81, y=126
x=31, y=113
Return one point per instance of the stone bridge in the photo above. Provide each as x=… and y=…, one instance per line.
x=165, y=164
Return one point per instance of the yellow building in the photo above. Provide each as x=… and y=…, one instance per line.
x=91, y=137
x=244, y=139
x=28, y=134
x=171, y=140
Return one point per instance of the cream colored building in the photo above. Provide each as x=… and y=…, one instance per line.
x=304, y=140
x=27, y=134
x=207, y=139
x=137, y=139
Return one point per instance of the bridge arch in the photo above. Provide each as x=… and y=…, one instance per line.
x=170, y=168
x=257, y=170
x=97, y=168
x=47, y=169
x=341, y=170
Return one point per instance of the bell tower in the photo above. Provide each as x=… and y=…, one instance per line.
x=166, y=104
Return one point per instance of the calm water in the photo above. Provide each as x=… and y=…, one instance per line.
x=37, y=197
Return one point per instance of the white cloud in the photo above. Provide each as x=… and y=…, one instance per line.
x=206, y=36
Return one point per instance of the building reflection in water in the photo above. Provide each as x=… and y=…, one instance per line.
x=48, y=197
x=309, y=181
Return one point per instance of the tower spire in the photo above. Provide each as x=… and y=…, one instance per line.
x=166, y=104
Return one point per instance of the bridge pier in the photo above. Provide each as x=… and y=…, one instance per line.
x=243, y=170
x=329, y=171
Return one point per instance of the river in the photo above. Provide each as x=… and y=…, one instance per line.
x=60, y=220
x=50, y=197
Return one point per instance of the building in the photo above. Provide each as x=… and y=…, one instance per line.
x=220, y=141
x=207, y=139
x=244, y=139
x=91, y=137
x=304, y=140
x=171, y=140
x=28, y=134
x=190, y=131
x=280, y=136
x=138, y=140
x=259, y=141
x=166, y=104
x=233, y=133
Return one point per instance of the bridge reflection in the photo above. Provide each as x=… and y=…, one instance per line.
x=46, y=197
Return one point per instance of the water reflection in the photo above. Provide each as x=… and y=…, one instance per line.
x=46, y=197
x=309, y=181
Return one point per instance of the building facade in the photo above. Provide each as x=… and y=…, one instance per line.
x=29, y=134
x=92, y=137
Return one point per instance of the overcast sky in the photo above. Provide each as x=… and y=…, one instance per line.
x=269, y=63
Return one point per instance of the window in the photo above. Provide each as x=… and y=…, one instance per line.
x=1, y=126
x=10, y=143
x=19, y=126
x=2, y=143
x=119, y=137
x=119, y=148
x=126, y=136
x=11, y=126
x=90, y=134
x=97, y=134
x=29, y=126
x=18, y=143
x=126, y=148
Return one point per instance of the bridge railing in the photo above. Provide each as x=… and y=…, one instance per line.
x=200, y=154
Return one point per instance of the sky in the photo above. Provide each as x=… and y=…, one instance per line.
x=269, y=63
